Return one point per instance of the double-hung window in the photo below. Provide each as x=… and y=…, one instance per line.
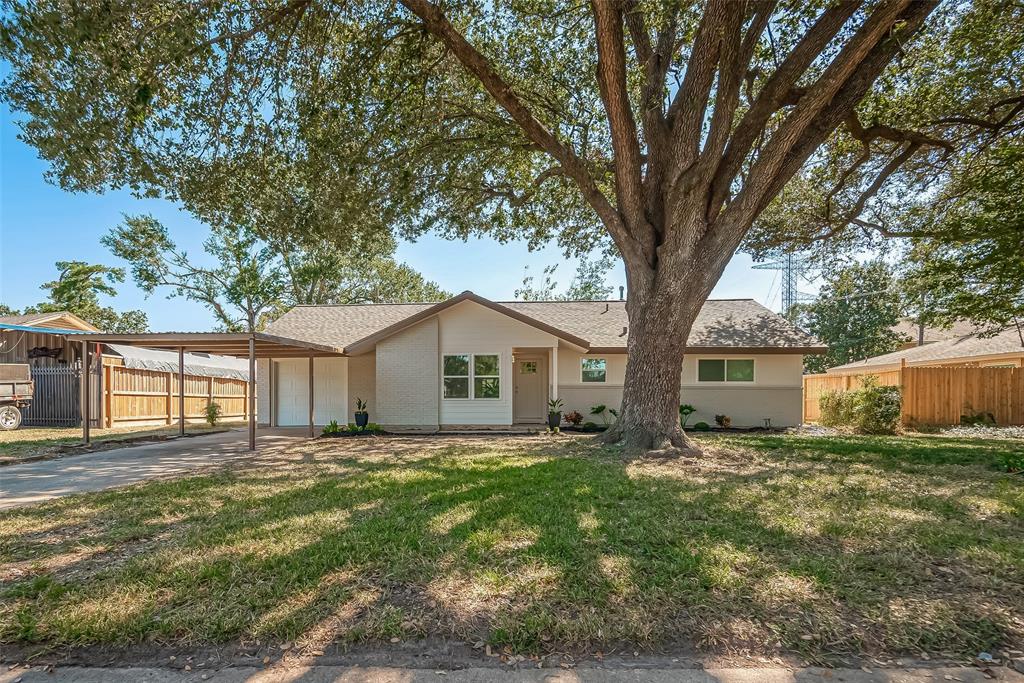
x=725, y=370
x=468, y=375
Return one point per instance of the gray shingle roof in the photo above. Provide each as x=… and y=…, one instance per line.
x=722, y=323
x=1006, y=342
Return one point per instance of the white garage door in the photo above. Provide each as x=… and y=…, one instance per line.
x=292, y=392
x=330, y=385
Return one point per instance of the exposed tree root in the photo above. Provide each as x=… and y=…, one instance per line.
x=645, y=443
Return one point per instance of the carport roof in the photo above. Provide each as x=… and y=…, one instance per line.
x=219, y=343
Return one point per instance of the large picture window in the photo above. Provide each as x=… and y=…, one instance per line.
x=725, y=370
x=471, y=375
x=593, y=369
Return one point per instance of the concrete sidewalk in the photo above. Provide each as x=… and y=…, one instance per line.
x=339, y=674
x=33, y=482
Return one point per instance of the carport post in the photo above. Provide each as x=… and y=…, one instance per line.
x=252, y=393
x=86, y=393
x=181, y=390
x=311, y=397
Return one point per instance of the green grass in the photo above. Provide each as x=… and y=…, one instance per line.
x=818, y=546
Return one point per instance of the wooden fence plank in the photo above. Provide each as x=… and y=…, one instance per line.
x=936, y=395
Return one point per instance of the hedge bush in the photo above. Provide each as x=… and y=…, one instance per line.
x=872, y=409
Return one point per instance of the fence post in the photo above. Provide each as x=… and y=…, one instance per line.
x=209, y=391
x=170, y=400
x=903, y=392
x=108, y=395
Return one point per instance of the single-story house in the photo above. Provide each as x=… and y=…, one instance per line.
x=1004, y=349
x=469, y=362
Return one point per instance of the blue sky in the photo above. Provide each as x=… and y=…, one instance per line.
x=41, y=224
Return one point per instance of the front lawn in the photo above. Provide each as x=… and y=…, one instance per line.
x=815, y=546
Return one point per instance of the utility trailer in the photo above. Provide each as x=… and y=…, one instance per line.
x=16, y=389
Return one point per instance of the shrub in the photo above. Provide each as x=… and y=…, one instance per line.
x=837, y=408
x=212, y=413
x=872, y=409
x=972, y=418
x=702, y=427
x=573, y=418
x=878, y=409
x=331, y=427
x=685, y=411
x=600, y=409
x=723, y=421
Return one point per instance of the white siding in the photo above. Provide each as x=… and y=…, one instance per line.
x=775, y=393
x=263, y=390
x=471, y=328
x=407, y=377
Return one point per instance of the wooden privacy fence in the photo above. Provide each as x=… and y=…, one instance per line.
x=137, y=397
x=935, y=395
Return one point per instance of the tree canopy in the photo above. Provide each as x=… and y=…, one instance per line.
x=587, y=284
x=665, y=128
x=77, y=289
x=253, y=281
x=854, y=314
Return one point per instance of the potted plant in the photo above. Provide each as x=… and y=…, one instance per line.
x=554, y=413
x=362, y=417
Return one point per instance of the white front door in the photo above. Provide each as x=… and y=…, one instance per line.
x=530, y=378
x=293, y=392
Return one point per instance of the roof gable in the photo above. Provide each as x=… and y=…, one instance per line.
x=64, y=320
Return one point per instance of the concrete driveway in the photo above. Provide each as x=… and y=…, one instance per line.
x=37, y=481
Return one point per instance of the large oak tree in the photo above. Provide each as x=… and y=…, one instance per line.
x=667, y=127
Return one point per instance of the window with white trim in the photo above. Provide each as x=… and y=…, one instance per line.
x=593, y=370
x=725, y=370
x=456, y=375
x=468, y=375
x=486, y=376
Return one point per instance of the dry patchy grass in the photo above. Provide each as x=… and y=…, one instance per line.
x=817, y=546
x=31, y=442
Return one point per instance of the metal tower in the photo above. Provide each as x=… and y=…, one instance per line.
x=793, y=267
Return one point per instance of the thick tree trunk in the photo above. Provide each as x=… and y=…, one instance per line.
x=659, y=324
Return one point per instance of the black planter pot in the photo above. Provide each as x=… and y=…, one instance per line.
x=554, y=419
x=362, y=419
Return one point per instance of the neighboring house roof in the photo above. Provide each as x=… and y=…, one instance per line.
x=1005, y=343
x=40, y=330
x=57, y=319
x=908, y=327
x=595, y=325
x=205, y=365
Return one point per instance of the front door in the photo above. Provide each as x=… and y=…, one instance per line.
x=531, y=388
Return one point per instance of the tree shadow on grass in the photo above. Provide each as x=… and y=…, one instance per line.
x=540, y=549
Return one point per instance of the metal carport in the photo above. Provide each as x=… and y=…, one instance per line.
x=243, y=345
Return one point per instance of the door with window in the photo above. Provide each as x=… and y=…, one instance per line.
x=530, y=373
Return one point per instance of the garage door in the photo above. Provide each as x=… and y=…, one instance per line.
x=292, y=392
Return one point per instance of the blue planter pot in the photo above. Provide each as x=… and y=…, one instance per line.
x=362, y=419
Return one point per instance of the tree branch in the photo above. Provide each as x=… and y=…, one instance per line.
x=480, y=67
x=772, y=94
x=611, y=78
x=686, y=113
